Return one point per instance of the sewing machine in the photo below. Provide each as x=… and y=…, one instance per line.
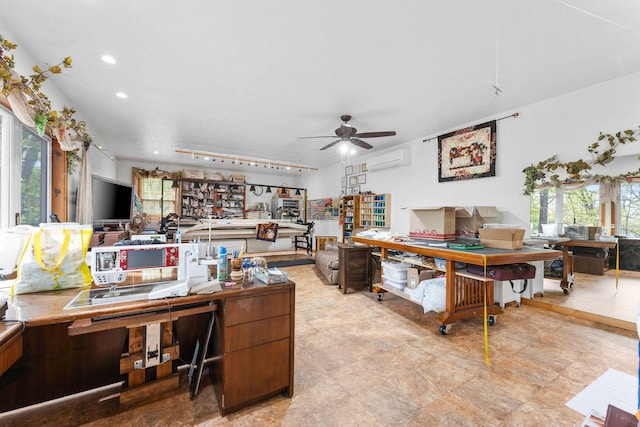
x=112, y=265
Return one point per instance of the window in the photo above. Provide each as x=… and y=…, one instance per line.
x=24, y=173
x=154, y=198
x=34, y=181
x=629, y=209
x=551, y=206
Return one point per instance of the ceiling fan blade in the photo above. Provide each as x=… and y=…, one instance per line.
x=360, y=143
x=311, y=137
x=375, y=134
x=330, y=145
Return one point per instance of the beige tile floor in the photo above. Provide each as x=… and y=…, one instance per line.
x=360, y=362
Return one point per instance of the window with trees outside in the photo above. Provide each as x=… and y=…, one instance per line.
x=629, y=209
x=24, y=173
x=581, y=206
x=550, y=206
x=157, y=202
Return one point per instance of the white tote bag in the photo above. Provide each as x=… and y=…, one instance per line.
x=54, y=258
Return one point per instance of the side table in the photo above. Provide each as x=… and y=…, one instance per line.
x=355, y=267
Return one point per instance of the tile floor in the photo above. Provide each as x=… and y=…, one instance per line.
x=360, y=362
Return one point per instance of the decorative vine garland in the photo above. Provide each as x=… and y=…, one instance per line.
x=33, y=108
x=547, y=171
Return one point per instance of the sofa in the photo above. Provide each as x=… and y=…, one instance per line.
x=327, y=262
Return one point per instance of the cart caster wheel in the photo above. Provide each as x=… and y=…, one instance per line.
x=285, y=394
x=565, y=291
x=517, y=304
x=379, y=297
x=491, y=320
x=444, y=329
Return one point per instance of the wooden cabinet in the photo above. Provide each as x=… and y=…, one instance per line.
x=355, y=267
x=221, y=199
x=253, y=346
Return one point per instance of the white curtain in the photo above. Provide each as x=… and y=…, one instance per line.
x=84, y=211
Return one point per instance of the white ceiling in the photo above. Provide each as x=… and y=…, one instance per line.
x=249, y=77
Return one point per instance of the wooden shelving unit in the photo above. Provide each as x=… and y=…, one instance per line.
x=365, y=211
x=351, y=217
x=200, y=198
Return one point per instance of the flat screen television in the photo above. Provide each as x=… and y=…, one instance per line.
x=112, y=201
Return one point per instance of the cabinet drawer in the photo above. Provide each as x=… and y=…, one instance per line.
x=255, y=333
x=255, y=371
x=249, y=309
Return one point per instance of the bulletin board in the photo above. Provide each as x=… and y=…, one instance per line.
x=320, y=209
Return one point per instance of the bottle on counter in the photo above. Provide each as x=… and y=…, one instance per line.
x=223, y=264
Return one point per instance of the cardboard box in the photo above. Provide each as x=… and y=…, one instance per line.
x=502, y=238
x=192, y=174
x=213, y=176
x=435, y=223
x=236, y=178
x=470, y=218
x=414, y=277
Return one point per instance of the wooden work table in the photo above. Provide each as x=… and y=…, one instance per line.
x=66, y=351
x=566, y=283
x=465, y=293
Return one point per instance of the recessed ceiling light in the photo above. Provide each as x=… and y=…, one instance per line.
x=121, y=95
x=109, y=59
x=156, y=152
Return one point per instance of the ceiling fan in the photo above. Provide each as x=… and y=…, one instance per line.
x=348, y=133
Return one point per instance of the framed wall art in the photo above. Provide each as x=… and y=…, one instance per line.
x=353, y=180
x=362, y=179
x=467, y=153
x=344, y=181
x=348, y=170
x=267, y=231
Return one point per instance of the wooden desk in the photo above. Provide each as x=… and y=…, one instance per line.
x=566, y=283
x=65, y=352
x=461, y=304
x=10, y=345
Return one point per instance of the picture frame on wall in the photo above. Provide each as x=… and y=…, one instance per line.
x=344, y=181
x=356, y=169
x=353, y=180
x=467, y=153
x=363, y=167
x=355, y=190
x=348, y=191
x=362, y=179
x=348, y=170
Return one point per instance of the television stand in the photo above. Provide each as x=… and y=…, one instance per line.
x=107, y=238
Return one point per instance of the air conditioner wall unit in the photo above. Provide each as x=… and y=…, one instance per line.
x=389, y=160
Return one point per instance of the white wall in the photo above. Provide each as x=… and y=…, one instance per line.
x=565, y=126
